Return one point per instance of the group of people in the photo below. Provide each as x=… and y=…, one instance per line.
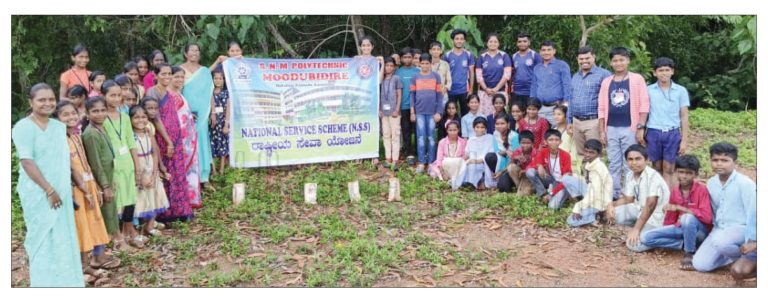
x=115, y=160
x=535, y=128
x=140, y=147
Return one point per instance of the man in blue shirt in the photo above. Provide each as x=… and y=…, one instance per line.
x=582, y=108
x=733, y=198
x=524, y=60
x=406, y=72
x=462, y=64
x=668, y=115
x=551, y=83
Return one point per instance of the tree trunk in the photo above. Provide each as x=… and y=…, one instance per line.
x=357, y=22
x=386, y=31
x=280, y=40
x=264, y=46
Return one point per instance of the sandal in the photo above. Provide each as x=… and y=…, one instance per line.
x=120, y=245
x=137, y=241
x=159, y=225
x=687, y=262
x=111, y=263
x=154, y=232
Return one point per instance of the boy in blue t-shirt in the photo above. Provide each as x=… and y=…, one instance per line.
x=462, y=64
x=405, y=73
x=524, y=60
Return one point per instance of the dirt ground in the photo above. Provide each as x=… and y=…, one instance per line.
x=531, y=257
x=537, y=257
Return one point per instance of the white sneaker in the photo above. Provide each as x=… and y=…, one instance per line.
x=420, y=168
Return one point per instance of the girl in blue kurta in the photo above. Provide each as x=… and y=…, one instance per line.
x=45, y=190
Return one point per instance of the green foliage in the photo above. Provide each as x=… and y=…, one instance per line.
x=17, y=215
x=716, y=56
x=474, y=41
x=738, y=128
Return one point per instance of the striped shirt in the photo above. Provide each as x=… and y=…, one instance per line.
x=426, y=93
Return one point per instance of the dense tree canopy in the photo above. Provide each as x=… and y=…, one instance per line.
x=716, y=56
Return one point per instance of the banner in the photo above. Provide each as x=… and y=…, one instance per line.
x=298, y=111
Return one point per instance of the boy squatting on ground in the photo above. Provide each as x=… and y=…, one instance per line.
x=734, y=205
x=688, y=217
x=645, y=193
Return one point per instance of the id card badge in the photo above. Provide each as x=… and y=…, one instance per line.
x=123, y=150
x=386, y=107
x=87, y=177
x=219, y=110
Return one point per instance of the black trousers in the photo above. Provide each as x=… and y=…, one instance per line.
x=406, y=131
x=128, y=213
x=505, y=183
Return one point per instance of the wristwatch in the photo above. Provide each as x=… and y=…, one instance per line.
x=640, y=126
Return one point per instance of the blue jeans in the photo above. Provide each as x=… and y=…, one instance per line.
x=540, y=184
x=690, y=231
x=425, y=129
x=619, y=139
x=719, y=249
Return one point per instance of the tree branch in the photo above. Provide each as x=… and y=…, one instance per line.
x=586, y=31
x=280, y=39
x=186, y=26
x=328, y=38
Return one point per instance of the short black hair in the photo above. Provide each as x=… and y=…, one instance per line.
x=594, y=145
x=389, y=59
x=636, y=148
x=534, y=102
x=689, y=162
x=406, y=50
x=548, y=43
x=457, y=32
x=524, y=35
x=724, y=148
x=552, y=132
x=663, y=61
x=415, y=51
x=425, y=58
x=585, y=50
x=526, y=135
x=619, y=51
x=479, y=120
